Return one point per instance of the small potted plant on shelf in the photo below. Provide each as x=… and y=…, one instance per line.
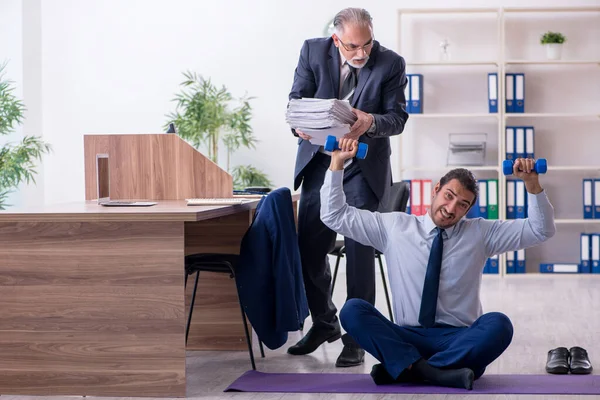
x=553, y=42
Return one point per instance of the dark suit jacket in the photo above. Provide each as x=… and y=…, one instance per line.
x=380, y=91
x=269, y=272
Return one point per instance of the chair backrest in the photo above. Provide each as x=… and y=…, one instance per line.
x=396, y=197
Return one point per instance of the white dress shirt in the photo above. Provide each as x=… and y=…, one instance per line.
x=406, y=242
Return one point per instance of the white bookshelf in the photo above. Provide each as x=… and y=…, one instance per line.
x=493, y=51
x=446, y=169
x=553, y=62
x=451, y=63
x=552, y=115
x=452, y=115
x=561, y=221
x=577, y=168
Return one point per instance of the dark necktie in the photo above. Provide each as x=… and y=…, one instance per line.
x=349, y=84
x=432, y=282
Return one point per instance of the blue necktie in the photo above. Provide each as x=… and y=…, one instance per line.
x=432, y=282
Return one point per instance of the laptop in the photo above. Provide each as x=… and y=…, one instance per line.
x=103, y=181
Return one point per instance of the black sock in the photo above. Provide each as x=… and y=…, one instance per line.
x=382, y=377
x=458, y=378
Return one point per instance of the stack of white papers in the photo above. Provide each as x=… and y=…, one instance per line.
x=320, y=118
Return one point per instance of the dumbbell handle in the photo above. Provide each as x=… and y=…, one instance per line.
x=332, y=144
x=540, y=166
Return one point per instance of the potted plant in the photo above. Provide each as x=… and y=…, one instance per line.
x=245, y=176
x=203, y=117
x=17, y=161
x=553, y=42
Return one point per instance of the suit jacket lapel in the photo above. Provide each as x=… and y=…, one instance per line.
x=364, y=74
x=334, y=69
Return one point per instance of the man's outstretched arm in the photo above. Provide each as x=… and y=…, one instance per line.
x=366, y=227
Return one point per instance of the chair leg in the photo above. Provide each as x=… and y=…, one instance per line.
x=335, y=271
x=385, y=288
x=247, y=334
x=189, y=321
x=262, y=349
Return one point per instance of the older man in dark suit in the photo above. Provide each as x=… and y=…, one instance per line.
x=348, y=65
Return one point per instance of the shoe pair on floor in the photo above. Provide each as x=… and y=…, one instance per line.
x=562, y=361
x=351, y=355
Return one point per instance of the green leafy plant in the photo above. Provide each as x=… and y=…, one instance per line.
x=552, y=37
x=203, y=117
x=17, y=161
x=246, y=176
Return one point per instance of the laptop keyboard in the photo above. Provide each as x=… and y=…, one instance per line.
x=216, y=201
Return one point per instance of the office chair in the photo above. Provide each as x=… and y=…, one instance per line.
x=396, y=200
x=221, y=263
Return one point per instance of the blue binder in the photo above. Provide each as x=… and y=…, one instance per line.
x=585, y=266
x=509, y=87
x=510, y=142
x=595, y=253
x=511, y=199
x=511, y=259
x=520, y=200
x=520, y=265
x=559, y=268
x=474, y=210
x=493, y=92
x=529, y=142
x=519, y=142
x=526, y=203
x=407, y=93
x=588, y=198
x=493, y=265
x=596, y=199
x=416, y=93
x=482, y=199
x=519, y=104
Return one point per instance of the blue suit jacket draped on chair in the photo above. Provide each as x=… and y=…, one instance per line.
x=269, y=272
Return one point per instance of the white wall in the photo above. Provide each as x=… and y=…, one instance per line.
x=20, y=45
x=113, y=66
x=11, y=52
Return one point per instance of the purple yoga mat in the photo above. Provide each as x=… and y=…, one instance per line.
x=254, y=381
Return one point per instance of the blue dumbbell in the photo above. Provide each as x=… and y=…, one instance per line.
x=332, y=144
x=540, y=166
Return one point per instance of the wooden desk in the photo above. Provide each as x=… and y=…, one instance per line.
x=92, y=298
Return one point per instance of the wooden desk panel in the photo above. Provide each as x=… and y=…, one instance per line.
x=92, y=309
x=93, y=300
x=90, y=211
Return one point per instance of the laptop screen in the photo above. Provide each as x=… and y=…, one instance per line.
x=102, y=177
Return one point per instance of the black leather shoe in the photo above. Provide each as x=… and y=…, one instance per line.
x=558, y=361
x=382, y=377
x=579, y=362
x=312, y=340
x=352, y=354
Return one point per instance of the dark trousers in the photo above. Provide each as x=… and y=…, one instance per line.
x=316, y=241
x=444, y=346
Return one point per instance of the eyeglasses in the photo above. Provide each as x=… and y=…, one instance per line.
x=355, y=48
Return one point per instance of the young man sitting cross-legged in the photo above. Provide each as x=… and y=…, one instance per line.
x=435, y=264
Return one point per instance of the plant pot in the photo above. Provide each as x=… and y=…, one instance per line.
x=553, y=51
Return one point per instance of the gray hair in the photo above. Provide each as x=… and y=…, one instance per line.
x=355, y=16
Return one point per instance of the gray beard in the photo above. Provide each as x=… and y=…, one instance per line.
x=358, y=66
